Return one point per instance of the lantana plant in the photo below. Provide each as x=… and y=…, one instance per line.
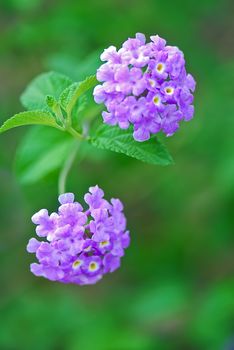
x=144, y=90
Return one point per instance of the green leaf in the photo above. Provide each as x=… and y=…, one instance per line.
x=121, y=141
x=42, y=151
x=51, y=83
x=29, y=118
x=69, y=96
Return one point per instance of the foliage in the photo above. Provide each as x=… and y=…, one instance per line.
x=58, y=97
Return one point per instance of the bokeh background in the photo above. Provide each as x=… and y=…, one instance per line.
x=175, y=289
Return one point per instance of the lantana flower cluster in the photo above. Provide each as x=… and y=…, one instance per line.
x=81, y=245
x=146, y=85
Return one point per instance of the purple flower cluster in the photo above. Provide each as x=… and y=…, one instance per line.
x=145, y=84
x=81, y=245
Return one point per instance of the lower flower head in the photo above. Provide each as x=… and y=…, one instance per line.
x=81, y=245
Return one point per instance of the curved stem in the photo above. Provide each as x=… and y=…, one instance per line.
x=68, y=122
x=65, y=170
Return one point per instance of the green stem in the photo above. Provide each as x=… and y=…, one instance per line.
x=59, y=115
x=68, y=122
x=74, y=133
x=61, y=128
x=65, y=170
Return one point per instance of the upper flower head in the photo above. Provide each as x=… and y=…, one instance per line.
x=81, y=245
x=141, y=82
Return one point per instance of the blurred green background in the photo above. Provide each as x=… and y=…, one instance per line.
x=175, y=288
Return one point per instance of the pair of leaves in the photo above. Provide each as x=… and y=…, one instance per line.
x=44, y=150
x=42, y=96
x=43, y=92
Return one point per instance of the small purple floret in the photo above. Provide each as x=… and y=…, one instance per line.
x=82, y=245
x=145, y=85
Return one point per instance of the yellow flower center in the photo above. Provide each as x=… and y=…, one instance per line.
x=93, y=266
x=160, y=67
x=103, y=243
x=156, y=100
x=76, y=264
x=169, y=90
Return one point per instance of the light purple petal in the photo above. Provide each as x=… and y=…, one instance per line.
x=66, y=198
x=33, y=245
